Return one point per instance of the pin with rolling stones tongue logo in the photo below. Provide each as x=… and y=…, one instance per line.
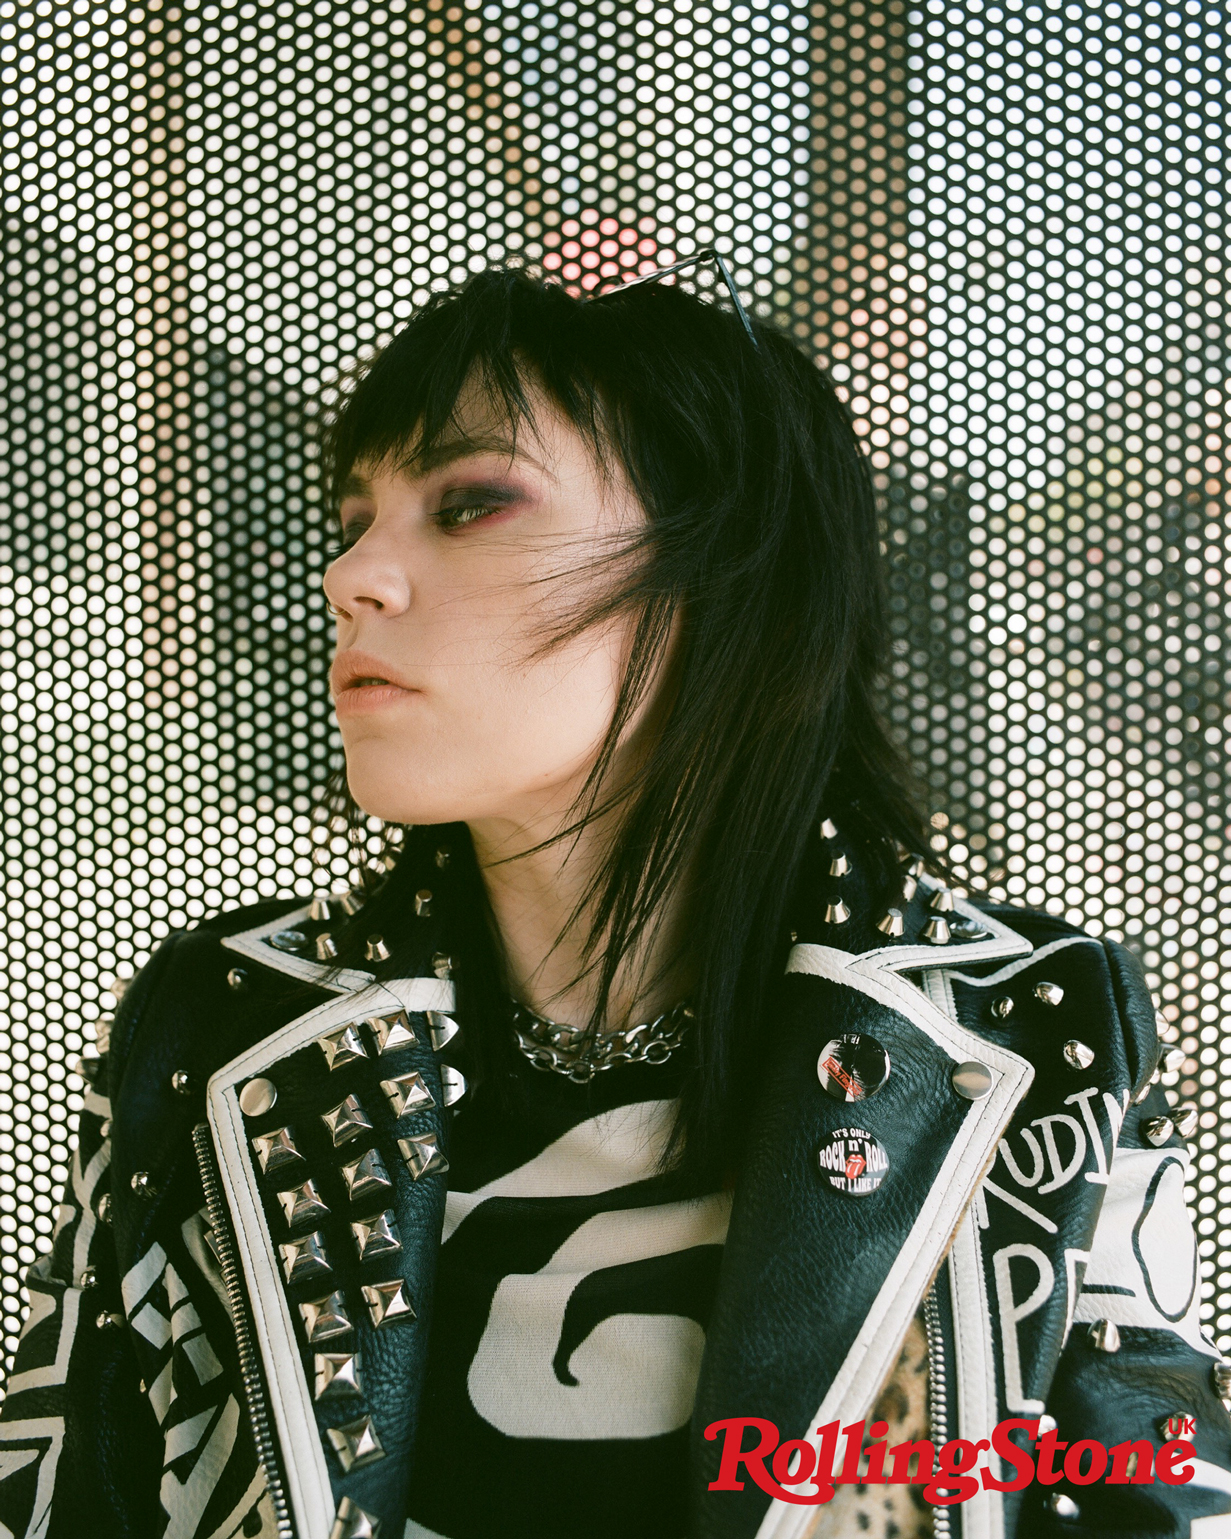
x=852, y=1067
x=852, y=1161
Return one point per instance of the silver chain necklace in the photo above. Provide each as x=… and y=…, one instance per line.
x=563, y=1049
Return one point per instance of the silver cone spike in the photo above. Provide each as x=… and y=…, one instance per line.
x=941, y=901
x=1049, y=993
x=376, y=950
x=1077, y=1055
x=1105, y=1336
x=1158, y=1130
x=837, y=913
x=936, y=931
x=828, y=829
x=891, y=924
x=423, y=904
x=839, y=866
x=1186, y=1119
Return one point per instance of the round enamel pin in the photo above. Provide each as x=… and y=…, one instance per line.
x=852, y=1067
x=852, y=1161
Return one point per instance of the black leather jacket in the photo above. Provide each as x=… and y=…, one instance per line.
x=187, y=1370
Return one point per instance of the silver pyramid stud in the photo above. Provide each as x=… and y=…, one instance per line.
x=453, y=1083
x=423, y=903
x=937, y=931
x=377, y=1236
x=356, y=1444
x=1062, y=1506
x=143, y=1184
x=325, y=948
x=1186, y=1119
x=1174, y=1060
x=325, y=1318
x=442, y=859
x=392, y=1031
x=1002, y=1008
x=941, y=901
x=352, y=1522
x=181, y=1082
x=891, y=924
x=366, y=1176
x=828, y=829
x=423, y=1154
x=319, y=909
x=276, y=1150
x=442, y=965
x=305, y=1260
x=1077, y=1055
x=346, y=1121
x=1220, y=1377
x=839, y=866
x=407, y=1093
x=88, y=1278
x=109, y=1321
x=376, y=950
x=909, y=888
x=342, y=1046
x=388, y=1302
x=1049, y=993
x=257, y=1097
x=837, y=913
x=1158, y=1130
x=336, y=1376
x=302, y=1205
x=441, y=1028
x=1105, y=1336
x=237, y=979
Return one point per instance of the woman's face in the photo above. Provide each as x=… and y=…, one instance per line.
x=450, y=577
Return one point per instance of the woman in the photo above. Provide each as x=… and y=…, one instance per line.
x=360, y=1239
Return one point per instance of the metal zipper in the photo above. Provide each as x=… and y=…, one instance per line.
x=249, y=1358
x=938, y=1402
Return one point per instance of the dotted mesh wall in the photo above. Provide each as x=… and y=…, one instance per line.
x=1002, y=227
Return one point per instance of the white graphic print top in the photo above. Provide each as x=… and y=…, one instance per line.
x=572, y=1297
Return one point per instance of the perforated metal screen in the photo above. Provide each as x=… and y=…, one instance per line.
x=1003, y=226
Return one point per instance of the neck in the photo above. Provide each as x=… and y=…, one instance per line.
x=536, y=892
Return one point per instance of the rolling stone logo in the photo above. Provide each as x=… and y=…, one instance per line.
x=852, y=1161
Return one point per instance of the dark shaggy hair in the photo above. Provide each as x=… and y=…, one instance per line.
x=762, y=542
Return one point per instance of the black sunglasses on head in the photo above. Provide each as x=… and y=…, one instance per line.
x=708, y=255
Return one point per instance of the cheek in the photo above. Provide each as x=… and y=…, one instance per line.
x=488, y=733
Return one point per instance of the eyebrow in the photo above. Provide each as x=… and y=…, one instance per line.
x=447, y=452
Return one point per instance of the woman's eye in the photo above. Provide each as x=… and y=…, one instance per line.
x=346, y=538
x=467, y=513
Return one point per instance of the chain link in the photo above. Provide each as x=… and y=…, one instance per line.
x=560, y=1049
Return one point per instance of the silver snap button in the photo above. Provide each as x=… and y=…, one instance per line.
x=257, y=1097
x=972, y=1080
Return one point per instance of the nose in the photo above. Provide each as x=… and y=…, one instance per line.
x=367, y=579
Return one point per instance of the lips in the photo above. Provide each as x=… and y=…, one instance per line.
x=362, y=670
